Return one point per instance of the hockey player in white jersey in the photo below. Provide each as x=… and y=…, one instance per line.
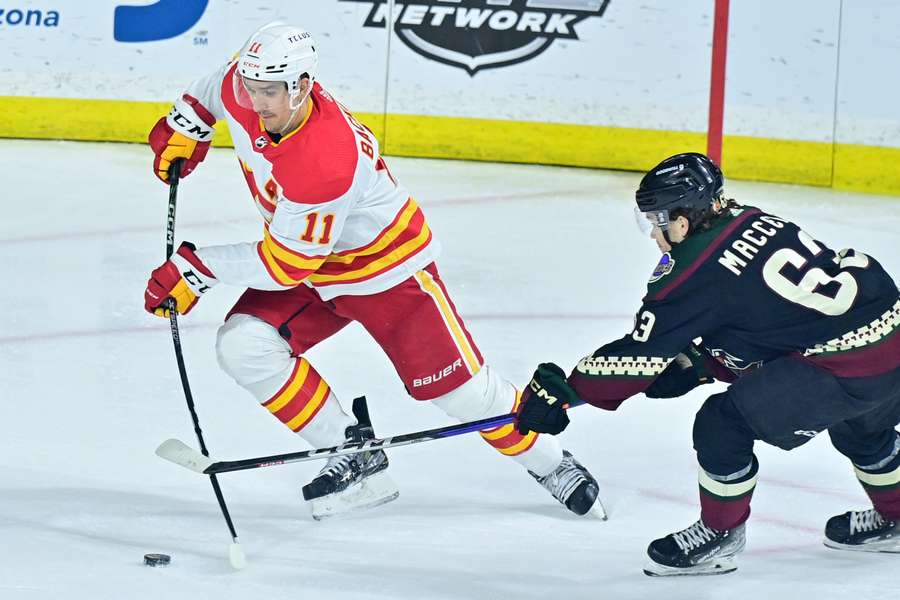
x=342, y=241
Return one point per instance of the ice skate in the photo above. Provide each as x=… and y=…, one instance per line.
x=697, y=550
x=863, y=531
x=353, y=481
x=574, y=487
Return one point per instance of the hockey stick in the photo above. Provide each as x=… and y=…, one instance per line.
x=235, y=553
x=181, y=454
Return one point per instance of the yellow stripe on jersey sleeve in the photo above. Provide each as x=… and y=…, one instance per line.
x=274, y=268
x=386, y=237
x=396, y=256
x=292, y=259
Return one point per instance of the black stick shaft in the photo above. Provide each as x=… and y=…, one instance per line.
x=406, y=439
x=174, y=176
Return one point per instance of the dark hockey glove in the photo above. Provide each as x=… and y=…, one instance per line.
x=542, y=401
x=682, y=375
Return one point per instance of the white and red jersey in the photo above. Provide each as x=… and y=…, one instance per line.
x=335, y=219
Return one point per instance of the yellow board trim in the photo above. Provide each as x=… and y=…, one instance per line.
x=869, y=169
x=533, y=142
x=779, y=161
x=852, y=167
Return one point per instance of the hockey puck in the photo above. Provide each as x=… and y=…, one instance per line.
x=157, y=560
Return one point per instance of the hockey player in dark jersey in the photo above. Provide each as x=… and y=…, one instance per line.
x=808, y=338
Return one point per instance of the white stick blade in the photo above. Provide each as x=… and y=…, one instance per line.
x=236, y=557
x=181, y=454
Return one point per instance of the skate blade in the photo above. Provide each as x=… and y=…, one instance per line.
x=715, y=567
x=891, y=545
x=373, y=491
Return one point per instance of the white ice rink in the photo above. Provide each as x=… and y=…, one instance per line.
x=543, y=263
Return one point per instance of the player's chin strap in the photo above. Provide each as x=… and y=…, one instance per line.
x=665, y=233
x=295, y=110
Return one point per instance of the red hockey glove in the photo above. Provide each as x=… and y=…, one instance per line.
x=183, y=277
x=542, y=409
x=185, y=133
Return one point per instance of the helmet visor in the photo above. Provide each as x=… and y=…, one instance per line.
x=257, y=95
x=651, y=221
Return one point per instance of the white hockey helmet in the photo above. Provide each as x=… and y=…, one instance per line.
x=277, y=52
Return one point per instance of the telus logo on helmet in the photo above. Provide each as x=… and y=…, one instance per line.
x=159, y=21
x=293, y=39
x=483, y=34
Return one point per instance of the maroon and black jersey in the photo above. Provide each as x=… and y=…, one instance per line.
x=754, y=287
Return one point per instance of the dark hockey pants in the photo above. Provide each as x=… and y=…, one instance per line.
x=785, y=403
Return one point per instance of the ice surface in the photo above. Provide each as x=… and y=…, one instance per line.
x=543, y=263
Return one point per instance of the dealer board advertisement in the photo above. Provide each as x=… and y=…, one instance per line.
x=586, y=82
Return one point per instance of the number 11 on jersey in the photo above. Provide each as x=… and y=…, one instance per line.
x=312, y=220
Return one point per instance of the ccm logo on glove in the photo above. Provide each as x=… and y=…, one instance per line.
x=543, y=407
x=184, y=278
x=185, y=133
x=541, y=392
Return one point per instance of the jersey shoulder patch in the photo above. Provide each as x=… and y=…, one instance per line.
x=665, y=266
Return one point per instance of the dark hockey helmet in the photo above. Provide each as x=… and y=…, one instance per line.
x=685, y=185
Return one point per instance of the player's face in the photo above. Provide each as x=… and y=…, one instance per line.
x=677, y=230
x=270, y=101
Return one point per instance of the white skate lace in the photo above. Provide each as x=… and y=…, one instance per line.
x=865, y=520
x=694, y=536
x=337, y=466
x=563, y=481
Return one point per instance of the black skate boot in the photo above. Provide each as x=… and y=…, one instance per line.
x=573, y=486
x=352, y=481
x=863, y=531
x=697, y=550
